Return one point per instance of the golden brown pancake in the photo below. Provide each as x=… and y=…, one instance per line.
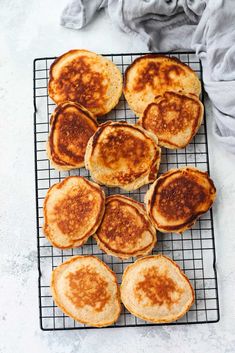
x=86, y=289
x=155, y=289
x=152, y=75
x=122, y=155
x=177, y=198
x=87, y=78
x=71, y=128
x=73, y=210
x=174, y=118
x=125, y=229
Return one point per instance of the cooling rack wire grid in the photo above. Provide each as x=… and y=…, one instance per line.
x=194, y=251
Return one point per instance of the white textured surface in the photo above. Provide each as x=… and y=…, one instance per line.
x=30, y=29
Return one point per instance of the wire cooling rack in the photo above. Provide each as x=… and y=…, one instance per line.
x=194, y=251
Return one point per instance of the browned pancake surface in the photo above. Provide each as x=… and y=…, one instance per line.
x=119, y=227
x=167, y=74
x=85, y=289
x=158, y=288
x=120, y=153
x=179, y=197
x=152, y=75
x=71, y=128
x=88, y=287
x=87, y=78
x=125, y=228
x=73, y=210
x=122, y=147
x=174, y=118
x=155, y=289
x=79, y=83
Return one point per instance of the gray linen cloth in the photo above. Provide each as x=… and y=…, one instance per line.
x=206, y=26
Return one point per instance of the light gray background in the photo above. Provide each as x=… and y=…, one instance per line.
x=30, y=29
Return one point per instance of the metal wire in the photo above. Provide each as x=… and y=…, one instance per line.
x=194, y=251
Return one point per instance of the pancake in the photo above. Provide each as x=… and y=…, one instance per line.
x=73, y=210
x=174, y=118
x=177, y=198
x=71, y=128
x=125, y=229
x=156, y=290
x=86, y=289
x=87, y=78
x=152, y=75
x=122, y=155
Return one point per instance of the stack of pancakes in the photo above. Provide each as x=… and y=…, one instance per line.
x=164, y=93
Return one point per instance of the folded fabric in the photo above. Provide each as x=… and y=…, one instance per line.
x=206, y=26
x=78, y=13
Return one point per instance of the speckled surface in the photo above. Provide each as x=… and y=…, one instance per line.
x=30, y=29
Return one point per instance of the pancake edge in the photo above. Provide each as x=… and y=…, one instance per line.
x=79, y=242
x=53, y=120
x=73, y=51
x=136, y=184
x=54, y=294
x=150, y=198
x=181, y=272
x=126, y=255
x=167, y=143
